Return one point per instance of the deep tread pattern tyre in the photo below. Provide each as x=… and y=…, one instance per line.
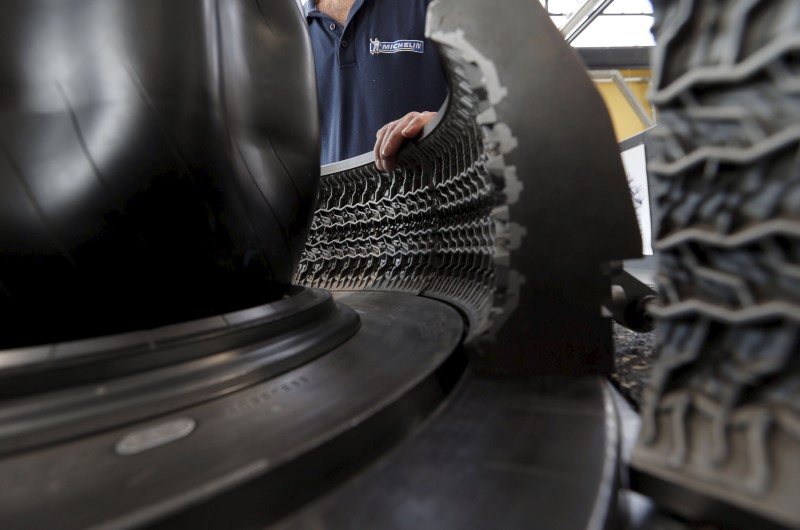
x=721, y=417
x=432, y=226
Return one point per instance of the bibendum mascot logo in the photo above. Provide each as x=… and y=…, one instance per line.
x=403, y=45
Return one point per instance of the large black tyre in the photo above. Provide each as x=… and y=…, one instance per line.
x=721, y=419
x=158, y=162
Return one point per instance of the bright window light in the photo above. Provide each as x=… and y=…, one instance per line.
x=615, y=31
x=623, y=23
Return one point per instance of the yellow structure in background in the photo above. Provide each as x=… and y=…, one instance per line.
x=623, y=116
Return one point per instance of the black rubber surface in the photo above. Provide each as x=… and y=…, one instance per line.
x=158, y=162
x=504, y=453
x=574, y=212
x=180, y=366
x=252, y=456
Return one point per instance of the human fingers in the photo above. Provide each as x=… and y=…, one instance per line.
x=379, y=143
x=417, y=123
x=393, y=140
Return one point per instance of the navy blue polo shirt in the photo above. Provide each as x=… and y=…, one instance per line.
x=375, y=69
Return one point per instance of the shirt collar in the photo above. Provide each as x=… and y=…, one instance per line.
x=310, y=7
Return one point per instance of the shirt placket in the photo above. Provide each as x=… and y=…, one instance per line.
x=347, y=48
x=346, y=51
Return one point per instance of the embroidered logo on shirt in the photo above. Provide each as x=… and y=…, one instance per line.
x=414, y=46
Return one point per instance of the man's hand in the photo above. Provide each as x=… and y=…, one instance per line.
x=391, y=136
